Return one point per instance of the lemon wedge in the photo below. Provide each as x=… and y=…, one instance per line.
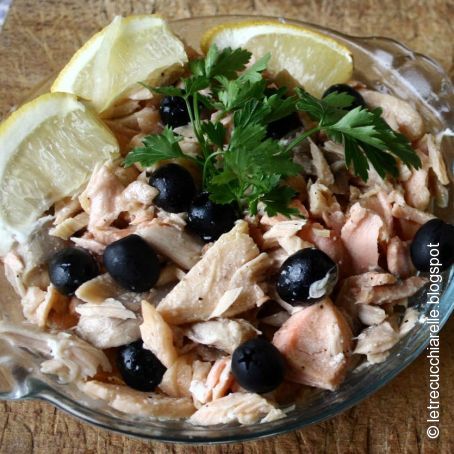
x=129, y=50
x=299, y=56
x=48, y=149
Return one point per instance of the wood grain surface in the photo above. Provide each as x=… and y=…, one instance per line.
x=37, y=39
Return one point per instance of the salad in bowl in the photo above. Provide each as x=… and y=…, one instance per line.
x=211, y=237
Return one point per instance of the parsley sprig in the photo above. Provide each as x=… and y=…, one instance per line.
x=157, y=148
x=366, y=137
x=250, y=168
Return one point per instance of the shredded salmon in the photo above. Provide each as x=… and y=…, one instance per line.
x=208, y=298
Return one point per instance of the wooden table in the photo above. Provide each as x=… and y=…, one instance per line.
x=37, y=39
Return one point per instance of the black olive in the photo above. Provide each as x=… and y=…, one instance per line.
x=176, y=188
x=279, y=128
x=70, y=268
x=258, y=366
x=139, y=367
x=208, y=219
x=173, y=111
x=132, y=263
x=433, y=245
x=358, y=100
x=306, y=277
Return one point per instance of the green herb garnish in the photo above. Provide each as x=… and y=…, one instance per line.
x=251, y=168
x=366, y=137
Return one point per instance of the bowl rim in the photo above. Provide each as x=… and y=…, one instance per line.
x=38, y=390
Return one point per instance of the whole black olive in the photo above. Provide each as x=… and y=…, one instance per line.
x=70, y=268
x=139, y=367
x=306, y=277
x=132, y=263
x=258, y=366
x=176, y=188
x=433, y=245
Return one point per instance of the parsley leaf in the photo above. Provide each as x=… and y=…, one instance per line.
x=235, y=93
x=166, y=91
x=339, y=99
x=222, y=193
x=264, y=111
x=278, y=201
x=254, y=72
x=395, y=142
x=194, y=84
x=226, y=62
x=366, y=137
x=270, y=157
x=252, y=111
x=252, y=170
x=156, y=148
x=318, y=109
x=247, y=137
x=279, y=107
x=215, y=132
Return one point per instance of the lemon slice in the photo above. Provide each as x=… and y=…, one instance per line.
x=129, y=50
x=299, y=56
x=48, y=149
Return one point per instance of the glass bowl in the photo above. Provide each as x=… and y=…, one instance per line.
x=381, y=63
